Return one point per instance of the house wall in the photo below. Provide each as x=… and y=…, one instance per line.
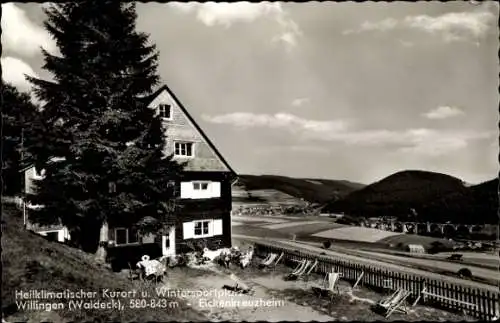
x=180, y=128
x=62, y=234
x=216, y=208
x=29, y=177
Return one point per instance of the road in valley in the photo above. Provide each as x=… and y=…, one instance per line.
x=436, y=264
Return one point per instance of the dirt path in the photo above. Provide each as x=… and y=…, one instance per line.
x=221, y=305
x=276, y=299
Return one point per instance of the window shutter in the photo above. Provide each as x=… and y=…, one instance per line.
x=217, y=227
x=214, y=189
x=186, y=190
x=188, y=230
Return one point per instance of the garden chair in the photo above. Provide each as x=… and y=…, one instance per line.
x=273, y=265
x=153, y=270
x=268, y=260
x=395, y=302
x=246, y=258
x=300, y=270
x=328, y=286
x=307, y=273
x=134, y=273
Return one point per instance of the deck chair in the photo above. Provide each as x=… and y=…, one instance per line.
x=395, y=302
x=239, y=286
x=299, y=271
x=273, y=265
x=268, y=261
x=328, y=286
x=272, y=262
x=309, y=271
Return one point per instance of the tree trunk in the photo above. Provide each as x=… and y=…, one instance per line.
x=103, y=242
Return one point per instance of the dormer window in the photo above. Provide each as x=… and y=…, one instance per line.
x=165, y=111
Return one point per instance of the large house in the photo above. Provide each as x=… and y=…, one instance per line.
x=204, y=193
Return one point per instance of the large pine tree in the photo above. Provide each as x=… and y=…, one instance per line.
x=114, y=169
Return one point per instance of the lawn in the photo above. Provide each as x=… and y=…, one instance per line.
x=31, y=263
x=257, y=231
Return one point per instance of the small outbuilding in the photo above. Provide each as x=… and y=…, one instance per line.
x=416, y=248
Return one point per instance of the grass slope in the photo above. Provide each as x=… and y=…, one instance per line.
x=435, y=197
x=311, y=190
x=31, y=263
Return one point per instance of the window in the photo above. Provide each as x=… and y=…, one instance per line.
x=200, y=186
x=121, y=236
x=125, y=236
x=201, y=228
x=165, y=111
x=200, y=189
x=167, y=241
x=52, y=236
x=184, y=149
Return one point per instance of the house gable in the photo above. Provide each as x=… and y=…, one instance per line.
x=182, y=129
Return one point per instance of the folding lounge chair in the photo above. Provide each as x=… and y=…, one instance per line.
x=272, y=262
x=239, y=286
x=328, y=286
x=299, y=271
x=268, y=261
x=277, y=261
x=394, y=302
x=299, y=267
x=309, y=271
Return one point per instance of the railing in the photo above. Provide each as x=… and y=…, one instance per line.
x=476, y=302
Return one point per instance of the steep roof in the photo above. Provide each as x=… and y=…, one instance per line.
x=149, y=99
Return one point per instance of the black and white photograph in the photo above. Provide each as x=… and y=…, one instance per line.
x=250, y=161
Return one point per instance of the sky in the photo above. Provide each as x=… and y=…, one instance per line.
x=353, y=91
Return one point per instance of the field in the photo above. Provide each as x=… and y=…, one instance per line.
x=356, y=234
x=263, y=196
x=318, y=229
x=306, y=228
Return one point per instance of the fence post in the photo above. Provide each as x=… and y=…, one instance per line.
x=422, y=288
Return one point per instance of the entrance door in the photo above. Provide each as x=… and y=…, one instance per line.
x=168, y=243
